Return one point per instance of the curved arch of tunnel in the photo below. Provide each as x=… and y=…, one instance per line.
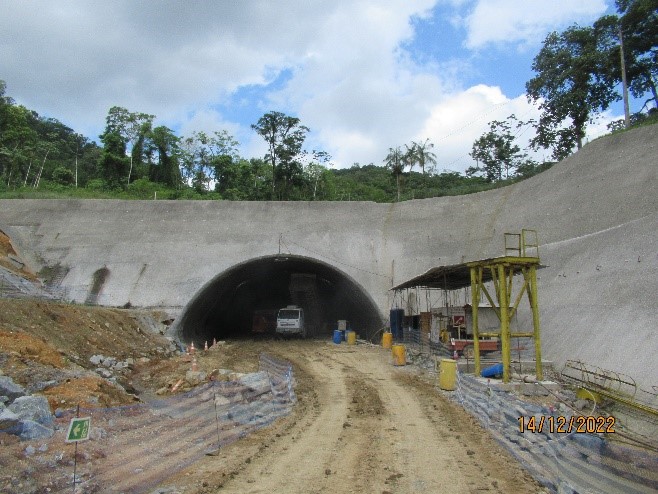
x=228, y=306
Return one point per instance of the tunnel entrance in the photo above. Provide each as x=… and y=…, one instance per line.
x=240, y=301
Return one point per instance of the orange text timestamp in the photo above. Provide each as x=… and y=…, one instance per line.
x=561, y=424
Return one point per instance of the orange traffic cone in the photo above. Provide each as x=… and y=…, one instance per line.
x=214, y=341
x=192, y=349
x=206, y=346
x=195, y=366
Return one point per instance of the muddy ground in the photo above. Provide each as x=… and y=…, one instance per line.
x=360, y=424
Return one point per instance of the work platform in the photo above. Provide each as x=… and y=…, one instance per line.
x=521, y=257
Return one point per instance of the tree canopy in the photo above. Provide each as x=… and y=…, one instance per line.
x=496, y=153
x=570, y=86
x=577, y=75
x=579, y=69
x=285, y=136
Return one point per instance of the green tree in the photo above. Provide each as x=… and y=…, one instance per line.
x=316, y=175
x=423, y=154
x=4, y=100
x=639, y=25
x=570, y=87
x=409, y=157
x=204, y=156
x=63, y=176
x=496, y=153
x=86, y=159
x=285, y=137
x=130, y=127
x=260, y=179
x=44, y=148
x=165, y=169
x=113, y=161
x=394, y=161
x=18, y=143
x=635, y=34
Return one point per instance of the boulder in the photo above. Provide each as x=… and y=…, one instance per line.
x=33, y=408
x=9, y=421
x=257, y=383
x=195, y=377
x=34, y=430
x=34, y=418
x=10, y=389
x=109, y=361
x=106, y=373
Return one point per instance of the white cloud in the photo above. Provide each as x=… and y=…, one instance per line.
x=74, y=60
x=525, y=22
x=599, y=127
x=346, y=76
x=355, y=88
x=460, y=118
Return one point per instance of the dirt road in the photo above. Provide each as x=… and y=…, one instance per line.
x=361, y=425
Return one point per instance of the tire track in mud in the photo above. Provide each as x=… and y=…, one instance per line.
x=363, y=425
x=409, y=457
x=300, y=461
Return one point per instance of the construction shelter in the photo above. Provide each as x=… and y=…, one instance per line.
x=521, y=258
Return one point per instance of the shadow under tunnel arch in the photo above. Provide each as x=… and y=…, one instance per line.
x=236, y=302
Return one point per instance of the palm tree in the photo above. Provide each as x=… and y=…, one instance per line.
x=394, y=161
x=422, y=153
x=409, y=158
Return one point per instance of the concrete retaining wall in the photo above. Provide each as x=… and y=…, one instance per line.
x=596, y=213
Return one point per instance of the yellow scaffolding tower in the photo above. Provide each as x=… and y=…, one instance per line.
x=501, y=271
x=521, y=257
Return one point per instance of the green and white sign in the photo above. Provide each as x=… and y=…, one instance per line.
x=78, y=429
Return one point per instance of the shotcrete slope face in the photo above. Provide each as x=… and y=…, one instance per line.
x=225, y=307
x=596, y=213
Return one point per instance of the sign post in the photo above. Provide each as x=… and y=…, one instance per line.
x=78, y=431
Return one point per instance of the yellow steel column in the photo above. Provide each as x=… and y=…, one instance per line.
x=476, y=280
x=534, y=305
x=503, y=303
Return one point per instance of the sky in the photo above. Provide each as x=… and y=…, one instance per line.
x=363, y=75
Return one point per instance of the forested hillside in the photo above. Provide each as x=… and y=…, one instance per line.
x=580, y=72
x=43, y=158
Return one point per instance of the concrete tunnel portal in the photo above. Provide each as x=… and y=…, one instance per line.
x=228, y=305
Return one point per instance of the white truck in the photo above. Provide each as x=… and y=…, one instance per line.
x=290, y=321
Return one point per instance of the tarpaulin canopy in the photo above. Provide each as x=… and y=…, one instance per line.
x=458, y=276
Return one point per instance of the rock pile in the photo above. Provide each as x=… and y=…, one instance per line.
x=23, y=415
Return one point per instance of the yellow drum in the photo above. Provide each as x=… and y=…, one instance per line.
x=351, y=337
x=448, y=374
x=387, y=340
x=399, y=355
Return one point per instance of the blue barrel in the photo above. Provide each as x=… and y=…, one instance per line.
x=397, y=320
x=493, y=371
x=338, y=336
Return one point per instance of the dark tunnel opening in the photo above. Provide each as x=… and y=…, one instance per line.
x=241, y=301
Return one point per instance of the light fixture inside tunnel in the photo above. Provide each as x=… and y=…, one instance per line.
x=242, y=301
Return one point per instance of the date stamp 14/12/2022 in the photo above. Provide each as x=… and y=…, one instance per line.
x=567, y=425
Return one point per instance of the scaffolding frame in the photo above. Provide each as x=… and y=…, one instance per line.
x=521, y=257
x=502, y=271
